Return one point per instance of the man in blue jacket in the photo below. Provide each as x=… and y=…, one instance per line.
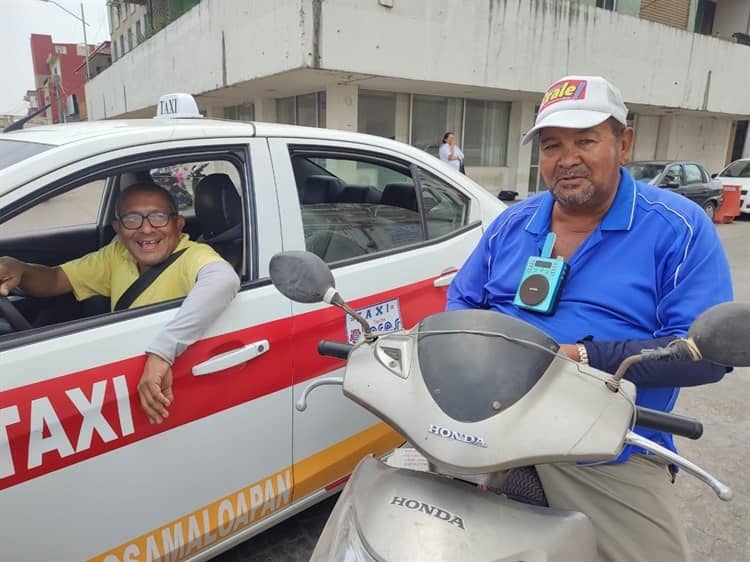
x=643, y=263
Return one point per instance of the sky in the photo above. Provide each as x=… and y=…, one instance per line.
x=21, y=18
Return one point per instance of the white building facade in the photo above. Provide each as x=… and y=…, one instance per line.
x=414, y=69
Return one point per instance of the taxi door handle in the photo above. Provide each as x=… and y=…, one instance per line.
x=231, y=358
x=445, y=278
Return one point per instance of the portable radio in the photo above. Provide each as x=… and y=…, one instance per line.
x=542, y=281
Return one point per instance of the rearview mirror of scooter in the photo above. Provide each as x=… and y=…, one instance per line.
x=722, y=334
x=302, y=277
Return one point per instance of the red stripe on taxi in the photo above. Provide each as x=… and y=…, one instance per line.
x=59, y=422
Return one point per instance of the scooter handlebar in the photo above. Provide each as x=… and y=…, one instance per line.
x=672, y=423
x=334, y=349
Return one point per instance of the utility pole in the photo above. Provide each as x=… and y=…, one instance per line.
x=85, y=45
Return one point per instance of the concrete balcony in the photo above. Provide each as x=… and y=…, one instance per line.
x=502, y=49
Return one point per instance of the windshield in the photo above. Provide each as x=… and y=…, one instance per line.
x=13, y=151
x=644, y=171
x=738, y=169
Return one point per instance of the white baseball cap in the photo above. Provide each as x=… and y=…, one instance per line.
x=579, y=102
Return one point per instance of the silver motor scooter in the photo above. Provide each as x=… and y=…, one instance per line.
x=479, y=393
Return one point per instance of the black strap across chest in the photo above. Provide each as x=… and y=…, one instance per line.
x=144, y=281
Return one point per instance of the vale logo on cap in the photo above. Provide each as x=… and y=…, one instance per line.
x=564, y=91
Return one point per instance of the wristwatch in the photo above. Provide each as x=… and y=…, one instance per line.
x=582, y=354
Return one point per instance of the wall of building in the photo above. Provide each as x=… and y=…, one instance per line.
x=732, y=16
x=514, y=45
x=506, y=50
x=703, y=139
x=129, y=17
x=210, y=47
x=522, y=45
x=646, y=134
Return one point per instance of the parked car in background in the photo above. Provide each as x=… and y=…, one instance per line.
x=684, y=177
x=738, y=173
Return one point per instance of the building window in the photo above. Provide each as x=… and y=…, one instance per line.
x=243, y=112
x=308, y=110
x=485, y=135
x=119, y=15
x=138, y=33
x=122, y=45
x=130, y=38
x=432, y=117
x=377, y=113
x=114, y=51
x=285, y=111
x=607, y=4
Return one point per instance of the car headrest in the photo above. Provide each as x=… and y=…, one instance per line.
x=320, y=189
x=400, y=195
x=218, y=206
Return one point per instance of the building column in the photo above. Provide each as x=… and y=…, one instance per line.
x=341, y=107
x=521, y=120
x=265, y=110
x=646, y=135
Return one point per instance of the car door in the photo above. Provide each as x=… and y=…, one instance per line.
x=394, y=231
x=83, y=475
x=696, y=187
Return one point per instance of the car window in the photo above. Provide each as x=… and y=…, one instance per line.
x=182, y=179
x=644, y=171
x=738, y=169
x=12, y=151
x=77, y=207
x=357, y=205
x=217, y=217
x=351, y=206
x=446, y=209
x=673, y=174
x=693, y=174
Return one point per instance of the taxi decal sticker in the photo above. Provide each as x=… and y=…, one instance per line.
x=200, y=529
x=383, y=318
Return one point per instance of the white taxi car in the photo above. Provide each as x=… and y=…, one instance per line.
x=83, y=475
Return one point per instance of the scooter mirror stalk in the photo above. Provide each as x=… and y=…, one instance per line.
x=722, y=334
x=302, y=277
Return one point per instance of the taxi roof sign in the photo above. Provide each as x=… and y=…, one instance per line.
x=177, y=106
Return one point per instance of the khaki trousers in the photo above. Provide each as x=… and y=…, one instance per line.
x=631, y=506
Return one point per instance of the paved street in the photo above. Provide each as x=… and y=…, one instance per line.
x=717, y=531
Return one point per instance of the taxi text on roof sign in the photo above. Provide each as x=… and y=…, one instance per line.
x=177, y=106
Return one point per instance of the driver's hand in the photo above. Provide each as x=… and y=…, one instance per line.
x=11, y=272
x=155, y=388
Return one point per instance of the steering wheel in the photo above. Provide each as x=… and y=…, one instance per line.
x=11, y=314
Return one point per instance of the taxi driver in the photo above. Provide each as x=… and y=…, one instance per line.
x=149, y=231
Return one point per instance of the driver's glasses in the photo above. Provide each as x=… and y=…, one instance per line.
x=134, y=221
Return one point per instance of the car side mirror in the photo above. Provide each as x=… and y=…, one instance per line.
x=302, y=276
x=714, y=175
x=722, y=334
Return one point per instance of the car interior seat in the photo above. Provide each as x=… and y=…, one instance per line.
x=400, y=195
x=319, y=189
x=218, y=208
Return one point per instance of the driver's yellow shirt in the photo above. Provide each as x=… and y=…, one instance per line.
x=112, y=269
